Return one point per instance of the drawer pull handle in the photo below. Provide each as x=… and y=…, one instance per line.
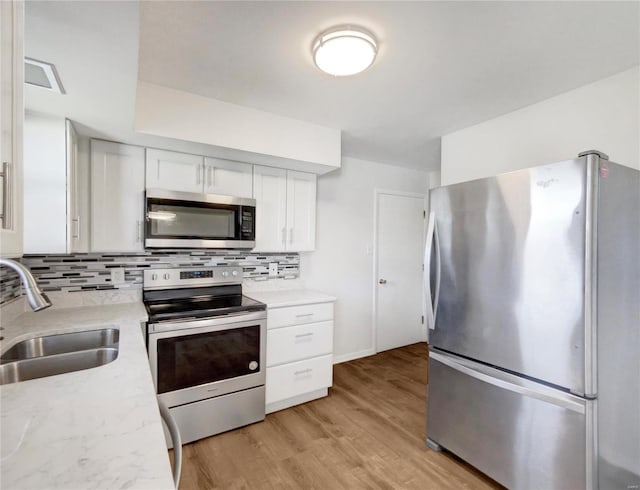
x=303, y=315
x=304, y=371
x=301, y=335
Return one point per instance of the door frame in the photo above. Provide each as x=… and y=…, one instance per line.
x=376, y=194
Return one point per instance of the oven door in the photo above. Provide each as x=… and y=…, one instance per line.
x=187, y=220
x=201, y=359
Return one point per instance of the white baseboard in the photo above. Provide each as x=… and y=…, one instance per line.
x=353, y=355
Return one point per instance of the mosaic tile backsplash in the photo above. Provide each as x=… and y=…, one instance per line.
x=92, y=271
x=9, y=285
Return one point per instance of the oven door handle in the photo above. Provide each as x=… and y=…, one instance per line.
x=223, y=322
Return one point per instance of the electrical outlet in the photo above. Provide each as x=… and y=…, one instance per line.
x=117, y=276
x=273, y=269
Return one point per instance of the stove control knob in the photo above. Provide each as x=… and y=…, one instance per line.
x=225, y=274
x=166, y=276
x=234, y=273
x=154, y=277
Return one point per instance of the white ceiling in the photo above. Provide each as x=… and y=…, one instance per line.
x=441, y=66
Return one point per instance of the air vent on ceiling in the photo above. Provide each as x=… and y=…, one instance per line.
x=42, y=74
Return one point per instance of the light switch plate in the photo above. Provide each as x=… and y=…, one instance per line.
x=117, y=276
x=273, y=269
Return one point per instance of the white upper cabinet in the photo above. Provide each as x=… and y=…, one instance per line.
x=185, y=172
x=76, y=241
x=228, y=177
x=117, y=197
x=301, y=211
x=11, y=123
x=270, y=193
x=285, y=210
x=46, y=189
x=174, y=171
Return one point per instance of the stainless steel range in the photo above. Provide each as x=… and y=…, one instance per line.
x=207, y=347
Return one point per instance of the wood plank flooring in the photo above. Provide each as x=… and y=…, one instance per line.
x=368, y=433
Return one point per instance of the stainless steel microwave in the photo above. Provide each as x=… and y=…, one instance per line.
x=189, y=220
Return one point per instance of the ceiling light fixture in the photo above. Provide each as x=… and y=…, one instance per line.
x=344, y=50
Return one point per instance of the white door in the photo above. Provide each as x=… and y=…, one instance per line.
x=399, y=255
x=301, y=211
x=270, y=193
x=117, y=197
x=174, y=171
x=228, y=178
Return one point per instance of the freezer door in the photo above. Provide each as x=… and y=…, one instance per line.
x=512, y=281
x=522, y=434
x=618, y=314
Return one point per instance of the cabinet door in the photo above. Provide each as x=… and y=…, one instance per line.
x=74, y=235
x=117, y=197
x=301, y=211
x=228, y=178
x=11, y=120
x=270, y=193
x=174, y=171
x=44, y=174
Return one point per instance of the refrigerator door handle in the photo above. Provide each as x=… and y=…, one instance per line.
x=436, y=295
x=427, y=271
x=512, y=383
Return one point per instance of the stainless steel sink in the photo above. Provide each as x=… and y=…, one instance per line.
x=58, y=354
x=61, y=343
x=41, y=367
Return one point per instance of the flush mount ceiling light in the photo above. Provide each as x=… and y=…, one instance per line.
x=344, y=50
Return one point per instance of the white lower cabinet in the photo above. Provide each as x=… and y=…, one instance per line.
x=297, y=378
x=300, y=342
x=299, y=354
x=299, y=315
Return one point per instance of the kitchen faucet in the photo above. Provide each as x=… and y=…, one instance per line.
x=36, y=298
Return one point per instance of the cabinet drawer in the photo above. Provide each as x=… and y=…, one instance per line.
x=299, y=315
x=300, y=342
x=297, y=378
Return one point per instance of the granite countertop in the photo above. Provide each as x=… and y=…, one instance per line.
x=289, y=297
x=97, y=428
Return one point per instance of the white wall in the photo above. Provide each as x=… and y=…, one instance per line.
x=604, y=115
x=254, y=134
x=342, y=264
x=45, y=184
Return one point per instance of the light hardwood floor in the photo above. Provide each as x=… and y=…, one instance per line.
x=368, y=433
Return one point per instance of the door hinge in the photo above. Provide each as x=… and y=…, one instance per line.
x=422, y=319
x=424, y=214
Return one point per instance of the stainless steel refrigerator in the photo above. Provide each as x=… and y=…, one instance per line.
x=533, y=305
